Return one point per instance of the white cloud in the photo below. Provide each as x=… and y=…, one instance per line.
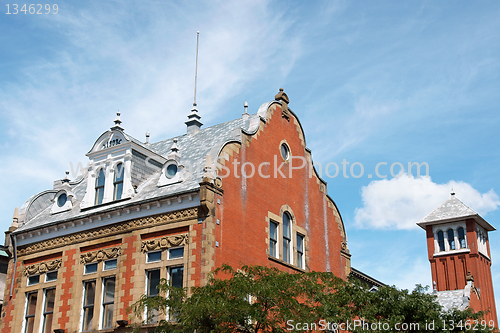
x=401, y=202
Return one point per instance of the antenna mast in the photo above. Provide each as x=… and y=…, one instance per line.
x=196, y=69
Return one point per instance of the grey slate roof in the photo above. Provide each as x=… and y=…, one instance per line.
x=193, y=150
x=451, y=210
x=454, y=299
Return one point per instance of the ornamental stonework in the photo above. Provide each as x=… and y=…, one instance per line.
x=100, y=255
x=43, y=267
x=144, y=222
x=164, y=242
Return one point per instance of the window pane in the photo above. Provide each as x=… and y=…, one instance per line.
x=47, y=323
x=30, y=323
x=108, y=302
x=461, y=238
x=107, y=319
x=110, y=264
x=88, y=306
x=118, y=191
x=440, y=240
x=451, y=239
x=89, y=293
x=300, y=251
x=153, y=256
x=90, y=268
x=273, y=230
x=35, y=279
x=119, y=173
x=176, y=276
x=272, y=248
x=153, y=282
x=99, y=188
x=51, y=276
x=32, y=298
x=300, y=240
x=286, y=225
x=176, y=253
x=286, y=250
x=100, y=179
x=30, y=312
x=49, y=300
x=48, y=310
x=88, y=316
x=61, y=201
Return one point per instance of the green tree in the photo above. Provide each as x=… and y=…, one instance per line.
x=261, y=299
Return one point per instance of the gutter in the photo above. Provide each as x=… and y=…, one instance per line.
x=14, y=245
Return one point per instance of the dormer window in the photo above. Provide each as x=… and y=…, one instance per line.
x=171, y=171
x=61, y=200
x=99, y=188
x=118, y=182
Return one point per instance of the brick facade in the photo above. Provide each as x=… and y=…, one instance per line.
x=229, y=225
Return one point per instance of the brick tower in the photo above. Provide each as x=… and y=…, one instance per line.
x=459, y=253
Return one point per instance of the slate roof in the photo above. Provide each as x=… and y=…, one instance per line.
x=454, y=299
x=193, y=151
x=452, y=210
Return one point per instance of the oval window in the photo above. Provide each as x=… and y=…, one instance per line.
x=171, y=171
x=61, y=201
x=285, y=151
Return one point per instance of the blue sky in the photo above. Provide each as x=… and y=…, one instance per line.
x=384, y=81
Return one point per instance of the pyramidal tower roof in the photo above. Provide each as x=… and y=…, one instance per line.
x=453, y=210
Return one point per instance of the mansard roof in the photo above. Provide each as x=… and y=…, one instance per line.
x=193, y=150
x=453, y=210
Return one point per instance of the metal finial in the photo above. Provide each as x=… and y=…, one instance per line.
x=147, y=137
x=118, y=121
x=66, y=178
x=246, y=106
x=452, y=192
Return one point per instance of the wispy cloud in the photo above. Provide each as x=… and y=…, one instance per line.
x=401, y=202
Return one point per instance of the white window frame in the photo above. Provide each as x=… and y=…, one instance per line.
x=150, y=252
x=277, y=245
x=175, y=248
x=44, y=305
x=102, y=305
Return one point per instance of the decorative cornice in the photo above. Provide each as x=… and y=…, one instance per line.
x=117, y=228
x=100, y=255
x=164, y=242
x=43, y=267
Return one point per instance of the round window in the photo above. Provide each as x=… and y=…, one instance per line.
x=171, y=171
x=285, y=151
x=61, y=201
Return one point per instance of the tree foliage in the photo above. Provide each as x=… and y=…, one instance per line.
x=261, y=299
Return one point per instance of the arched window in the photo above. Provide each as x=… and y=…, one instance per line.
x=99, y=188
x=461, y=238
x=118, y=182
x=451, y=239
x=440, y=240
x=287, y=237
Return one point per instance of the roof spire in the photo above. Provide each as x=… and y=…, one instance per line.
x=245, y=114
x=66, y=178
x=193, y=123
x=117, y=122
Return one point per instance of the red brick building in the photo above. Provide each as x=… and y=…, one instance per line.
x=459, y=253
x=241, y=192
